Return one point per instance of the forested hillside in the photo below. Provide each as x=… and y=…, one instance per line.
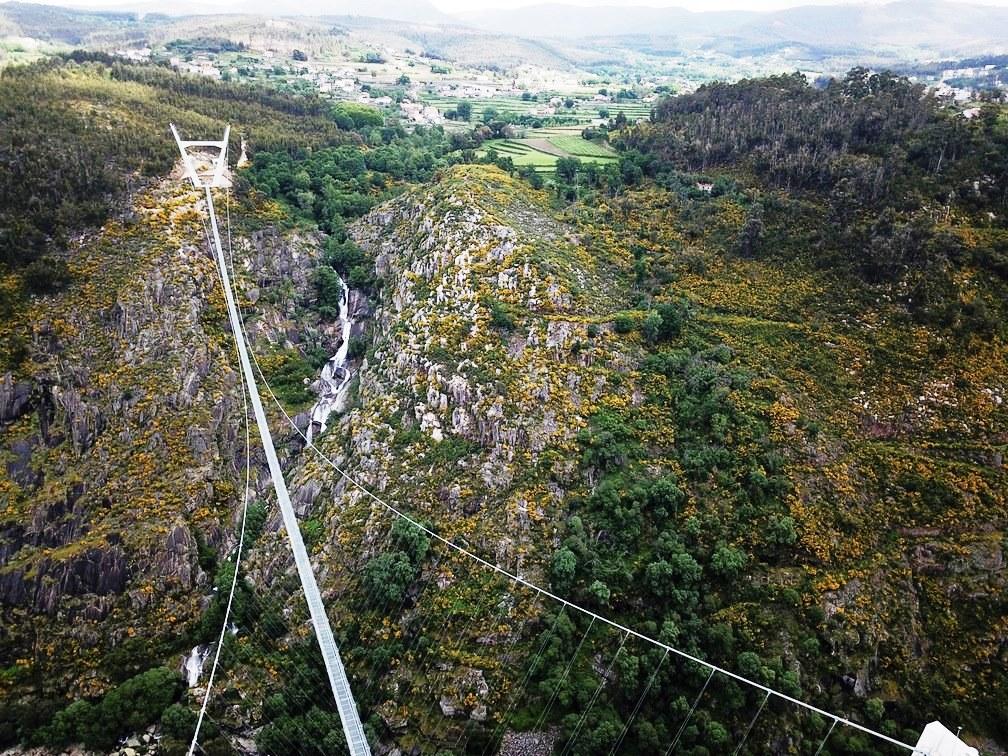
x=77, y=134
x=870, y=172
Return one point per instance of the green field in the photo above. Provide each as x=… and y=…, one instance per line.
x=586, y=111
x=575, y=145
x=540, y=148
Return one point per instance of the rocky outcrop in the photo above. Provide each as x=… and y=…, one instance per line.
x=480, y=368
x=465, y=695
x=176, y=561
x=95, y=570
x=52, y=525
x=84, y=421
x=15, y=397
x=19, y=467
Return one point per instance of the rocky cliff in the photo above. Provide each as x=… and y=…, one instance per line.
x=709, y=449
x=122, y=446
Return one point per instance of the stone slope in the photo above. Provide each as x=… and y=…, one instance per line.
x=490, y=347
x=122, y=446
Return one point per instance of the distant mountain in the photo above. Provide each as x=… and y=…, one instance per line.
x=557, y=20
x=414, y=11
x=936, y=25
x=928, y=24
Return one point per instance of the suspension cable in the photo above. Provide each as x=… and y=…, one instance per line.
x=237, y=562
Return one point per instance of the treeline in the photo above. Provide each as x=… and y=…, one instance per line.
x=64, y=167
x=936, y=67
x=874, y=128
x=205, y=44
x=168, y=81
x=334, y=184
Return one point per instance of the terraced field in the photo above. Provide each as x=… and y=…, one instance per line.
x=575, y=145
x=540, y=148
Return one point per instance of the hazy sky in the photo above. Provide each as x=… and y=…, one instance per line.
x=450, y=6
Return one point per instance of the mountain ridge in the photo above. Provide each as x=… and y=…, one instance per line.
x=933, y=24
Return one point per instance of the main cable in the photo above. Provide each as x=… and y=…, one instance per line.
x=237, y=561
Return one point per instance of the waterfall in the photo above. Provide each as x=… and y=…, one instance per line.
x=194, y=663
x=335, y=378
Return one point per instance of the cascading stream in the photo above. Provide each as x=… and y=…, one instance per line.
x=335, y=379
x=194, y=663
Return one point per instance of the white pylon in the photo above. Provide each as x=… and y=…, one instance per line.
x=214, y=175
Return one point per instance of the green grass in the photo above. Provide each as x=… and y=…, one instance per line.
x=540, y=148
x=582, y=148
x=522, y=155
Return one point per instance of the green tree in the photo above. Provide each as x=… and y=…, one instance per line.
x=134, y=705
x=255, y=521
x=624, y=323
x=651, y=326
x=728, y=561
x=567, y=168
x=178, y=721
x=329, y=290
x=599, y=591
x=666, y=496
x=780, y=530
x=388, y=575
x=875, y=709
x=564, y=567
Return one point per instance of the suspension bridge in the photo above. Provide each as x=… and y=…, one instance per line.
x=205, y=166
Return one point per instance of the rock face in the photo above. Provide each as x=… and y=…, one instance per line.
x=467, y=691
x=451, y=258
x=120, y=438
x=95, y=571
x=483, y=367
x=14, y=398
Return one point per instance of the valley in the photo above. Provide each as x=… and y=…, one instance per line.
x=589, y=387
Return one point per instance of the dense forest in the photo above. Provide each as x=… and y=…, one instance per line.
x=878, y=171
